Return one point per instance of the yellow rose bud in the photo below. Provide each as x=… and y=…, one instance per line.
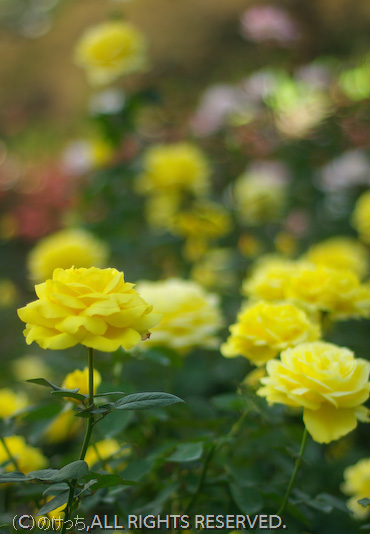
x=327, y=381
x=109, y=50
x=80, y=379
x=94, y=307
x=264, y=329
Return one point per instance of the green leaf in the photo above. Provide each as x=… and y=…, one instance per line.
x=145, y=401
x=59, y=500
x=247, y=498
x=74, y=470
x=100, y=410
x=108, y=480
x=44, y=411
x=55, y=489
x=110, y=393
x=187, y=452
x=44, y=382
x=14, y=476
x=364, y=502
x=69, y=393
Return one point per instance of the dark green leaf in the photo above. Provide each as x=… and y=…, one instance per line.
x=55, y=489
x=69, y=393
x=59, y=500
x=100, y=410
x=247, y=498
x=187, y=452
x=364, y=502
x=108, y=480
x=44, y=382
x=145, y=401
x=15, y=476
x=45, y=411
x=74, y=470
x=108, y=393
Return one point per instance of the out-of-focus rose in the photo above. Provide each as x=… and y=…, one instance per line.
x=80, y=380
x=11, y=402
x=327, y=381
x=67, y=248
x=8, y=293
x=94, y=307
x=269, y=22
x=264, y=329
x=104, y=450
x=206, y=220
x=27, y=458
x=109, y=50
x=174, y=168
x=260, y=193
x=361, y=217
x=63, y=427
x=340, y=253
x=269, y=278
x=336, y=291
x=191, y=317
x=357, y=483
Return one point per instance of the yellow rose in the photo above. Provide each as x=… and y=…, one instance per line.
x=269, y=279
x=357, y=483
x=11, y=402
x=190, y=315
x=264, y=329
x=80, y=379
x=259, y=198
x=340, y=253
x=63, y=427
x=104, y=450
x=67, y=248
x=327, y=381
x=361, y=217
x=28, y=458
x=94, y=307
x=338, y=292
x=109, y=50
x=172, y=168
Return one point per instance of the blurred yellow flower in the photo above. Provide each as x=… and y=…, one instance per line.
x=63, y=427
x=104, y=450
x=327, y=381
x=340, y=253
x=264, y=329
x=11, y=402
x=253, y=378
x=27, y=458
x=190, y=315
x=94, y=307
x=285, y=243
x=29, y=366
x=160, y=208
x=173, y=168
x=361, y=217
x=109, y=50
x=338, y=292
x=80, y=379
x=8, y=293
x=259, y=198
x=205, y=219
x=67, y=248
x=357, y=483
x=269, y=278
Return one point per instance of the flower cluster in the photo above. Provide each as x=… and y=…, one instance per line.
x=94, y=307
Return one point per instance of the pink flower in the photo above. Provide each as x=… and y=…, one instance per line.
x=262, y=23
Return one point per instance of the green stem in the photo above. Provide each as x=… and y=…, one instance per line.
x=85, y=444
x=11, y=457
x=295, y=472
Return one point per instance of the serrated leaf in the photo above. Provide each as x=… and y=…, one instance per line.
x=14, y=476
x=187, y=452
x=145, y=401
x=58, y=501
x=74, y=470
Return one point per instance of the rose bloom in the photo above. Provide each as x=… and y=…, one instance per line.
x=67, y=248
x=357, y=483
x=361, y=217
x=264, y=329
x=109, y=50
x=80, y=379
x=190, y=315
x=94, y=307
x=340, y=253
x=174, y=168
x=327, y=381
x=336, y=291
x=28, y=458
x=104, y=450
x=269, y=278
x=11, y=402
